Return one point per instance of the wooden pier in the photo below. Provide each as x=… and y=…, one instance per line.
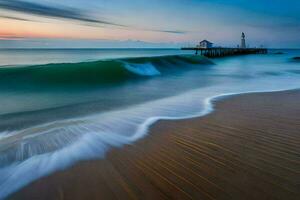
x=221, y=52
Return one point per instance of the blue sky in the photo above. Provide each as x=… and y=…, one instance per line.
x=148, y=23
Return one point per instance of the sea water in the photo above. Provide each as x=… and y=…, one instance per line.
x=60, y=106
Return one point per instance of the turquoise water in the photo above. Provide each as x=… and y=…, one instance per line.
x=62, y=106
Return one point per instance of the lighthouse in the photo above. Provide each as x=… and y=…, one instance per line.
x=243, y=41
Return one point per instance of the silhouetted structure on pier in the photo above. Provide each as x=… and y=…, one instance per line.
x=243, y=41
x=205, y=44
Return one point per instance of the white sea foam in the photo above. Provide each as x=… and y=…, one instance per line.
x=145, y=69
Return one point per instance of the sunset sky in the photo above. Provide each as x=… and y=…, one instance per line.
x=147, y=23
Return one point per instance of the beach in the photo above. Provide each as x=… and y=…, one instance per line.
x=248, y=148
x=146, y=100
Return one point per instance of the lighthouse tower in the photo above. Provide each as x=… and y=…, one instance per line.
x=243, y=41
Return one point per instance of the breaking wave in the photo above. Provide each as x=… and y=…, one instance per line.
x=102, y=72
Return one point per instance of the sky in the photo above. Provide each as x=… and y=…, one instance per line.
x=147, y=23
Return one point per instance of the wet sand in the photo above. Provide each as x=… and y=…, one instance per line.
x=248, y=148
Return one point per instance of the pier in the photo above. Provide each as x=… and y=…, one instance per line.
x=205, y=48
x=214, y=52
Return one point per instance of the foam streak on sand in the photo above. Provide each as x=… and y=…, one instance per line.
x=247, y=149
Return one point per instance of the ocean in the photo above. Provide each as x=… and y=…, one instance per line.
x=61, y=106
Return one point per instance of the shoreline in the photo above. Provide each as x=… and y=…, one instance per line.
x=56, y=184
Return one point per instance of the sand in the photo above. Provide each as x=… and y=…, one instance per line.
x=248, y=148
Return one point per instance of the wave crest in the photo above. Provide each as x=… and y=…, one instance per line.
x=95, y=73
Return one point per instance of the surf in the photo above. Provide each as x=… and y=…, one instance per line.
x=96, y=73
x=130, y=95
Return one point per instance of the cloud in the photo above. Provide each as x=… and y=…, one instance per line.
x=171, y=31
x=15, y=18
x=8, y=36
x=65, y=13
x=50, y=11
